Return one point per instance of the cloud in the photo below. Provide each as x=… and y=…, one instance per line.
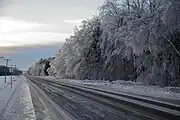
x=32, y=38
x=10, y=24
x=16, y=32
x=78, y=21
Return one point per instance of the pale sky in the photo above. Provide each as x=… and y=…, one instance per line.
x=29, y=22
x=24, y=24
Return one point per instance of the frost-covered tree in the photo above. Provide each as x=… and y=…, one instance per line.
x=154, y=44
x=131, y=39
x=40, y=68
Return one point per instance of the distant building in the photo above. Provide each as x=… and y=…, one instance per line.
x=4, y=70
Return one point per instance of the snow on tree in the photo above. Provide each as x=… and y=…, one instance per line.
x=132, y=40
x=40, y=68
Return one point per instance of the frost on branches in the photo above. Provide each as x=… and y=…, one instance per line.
x=136, y=40
x=40, y=68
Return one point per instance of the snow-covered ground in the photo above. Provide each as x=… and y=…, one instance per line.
x=136, y=88
x=15, y=102
x=128, y=87
x=2, y=84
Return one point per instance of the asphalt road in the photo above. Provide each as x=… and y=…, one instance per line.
x=78, y=105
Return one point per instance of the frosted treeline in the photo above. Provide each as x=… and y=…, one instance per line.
x=40, y=68
x=136, y=40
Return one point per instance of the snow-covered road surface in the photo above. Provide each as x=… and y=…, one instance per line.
x=79, y=107
x=45, y=108
x=87, y=103
x=16, y=102
x=128, y=87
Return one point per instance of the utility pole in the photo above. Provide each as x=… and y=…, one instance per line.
x=7, y=61
x=13, y=70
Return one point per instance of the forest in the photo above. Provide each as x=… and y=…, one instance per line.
x=135, y=40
